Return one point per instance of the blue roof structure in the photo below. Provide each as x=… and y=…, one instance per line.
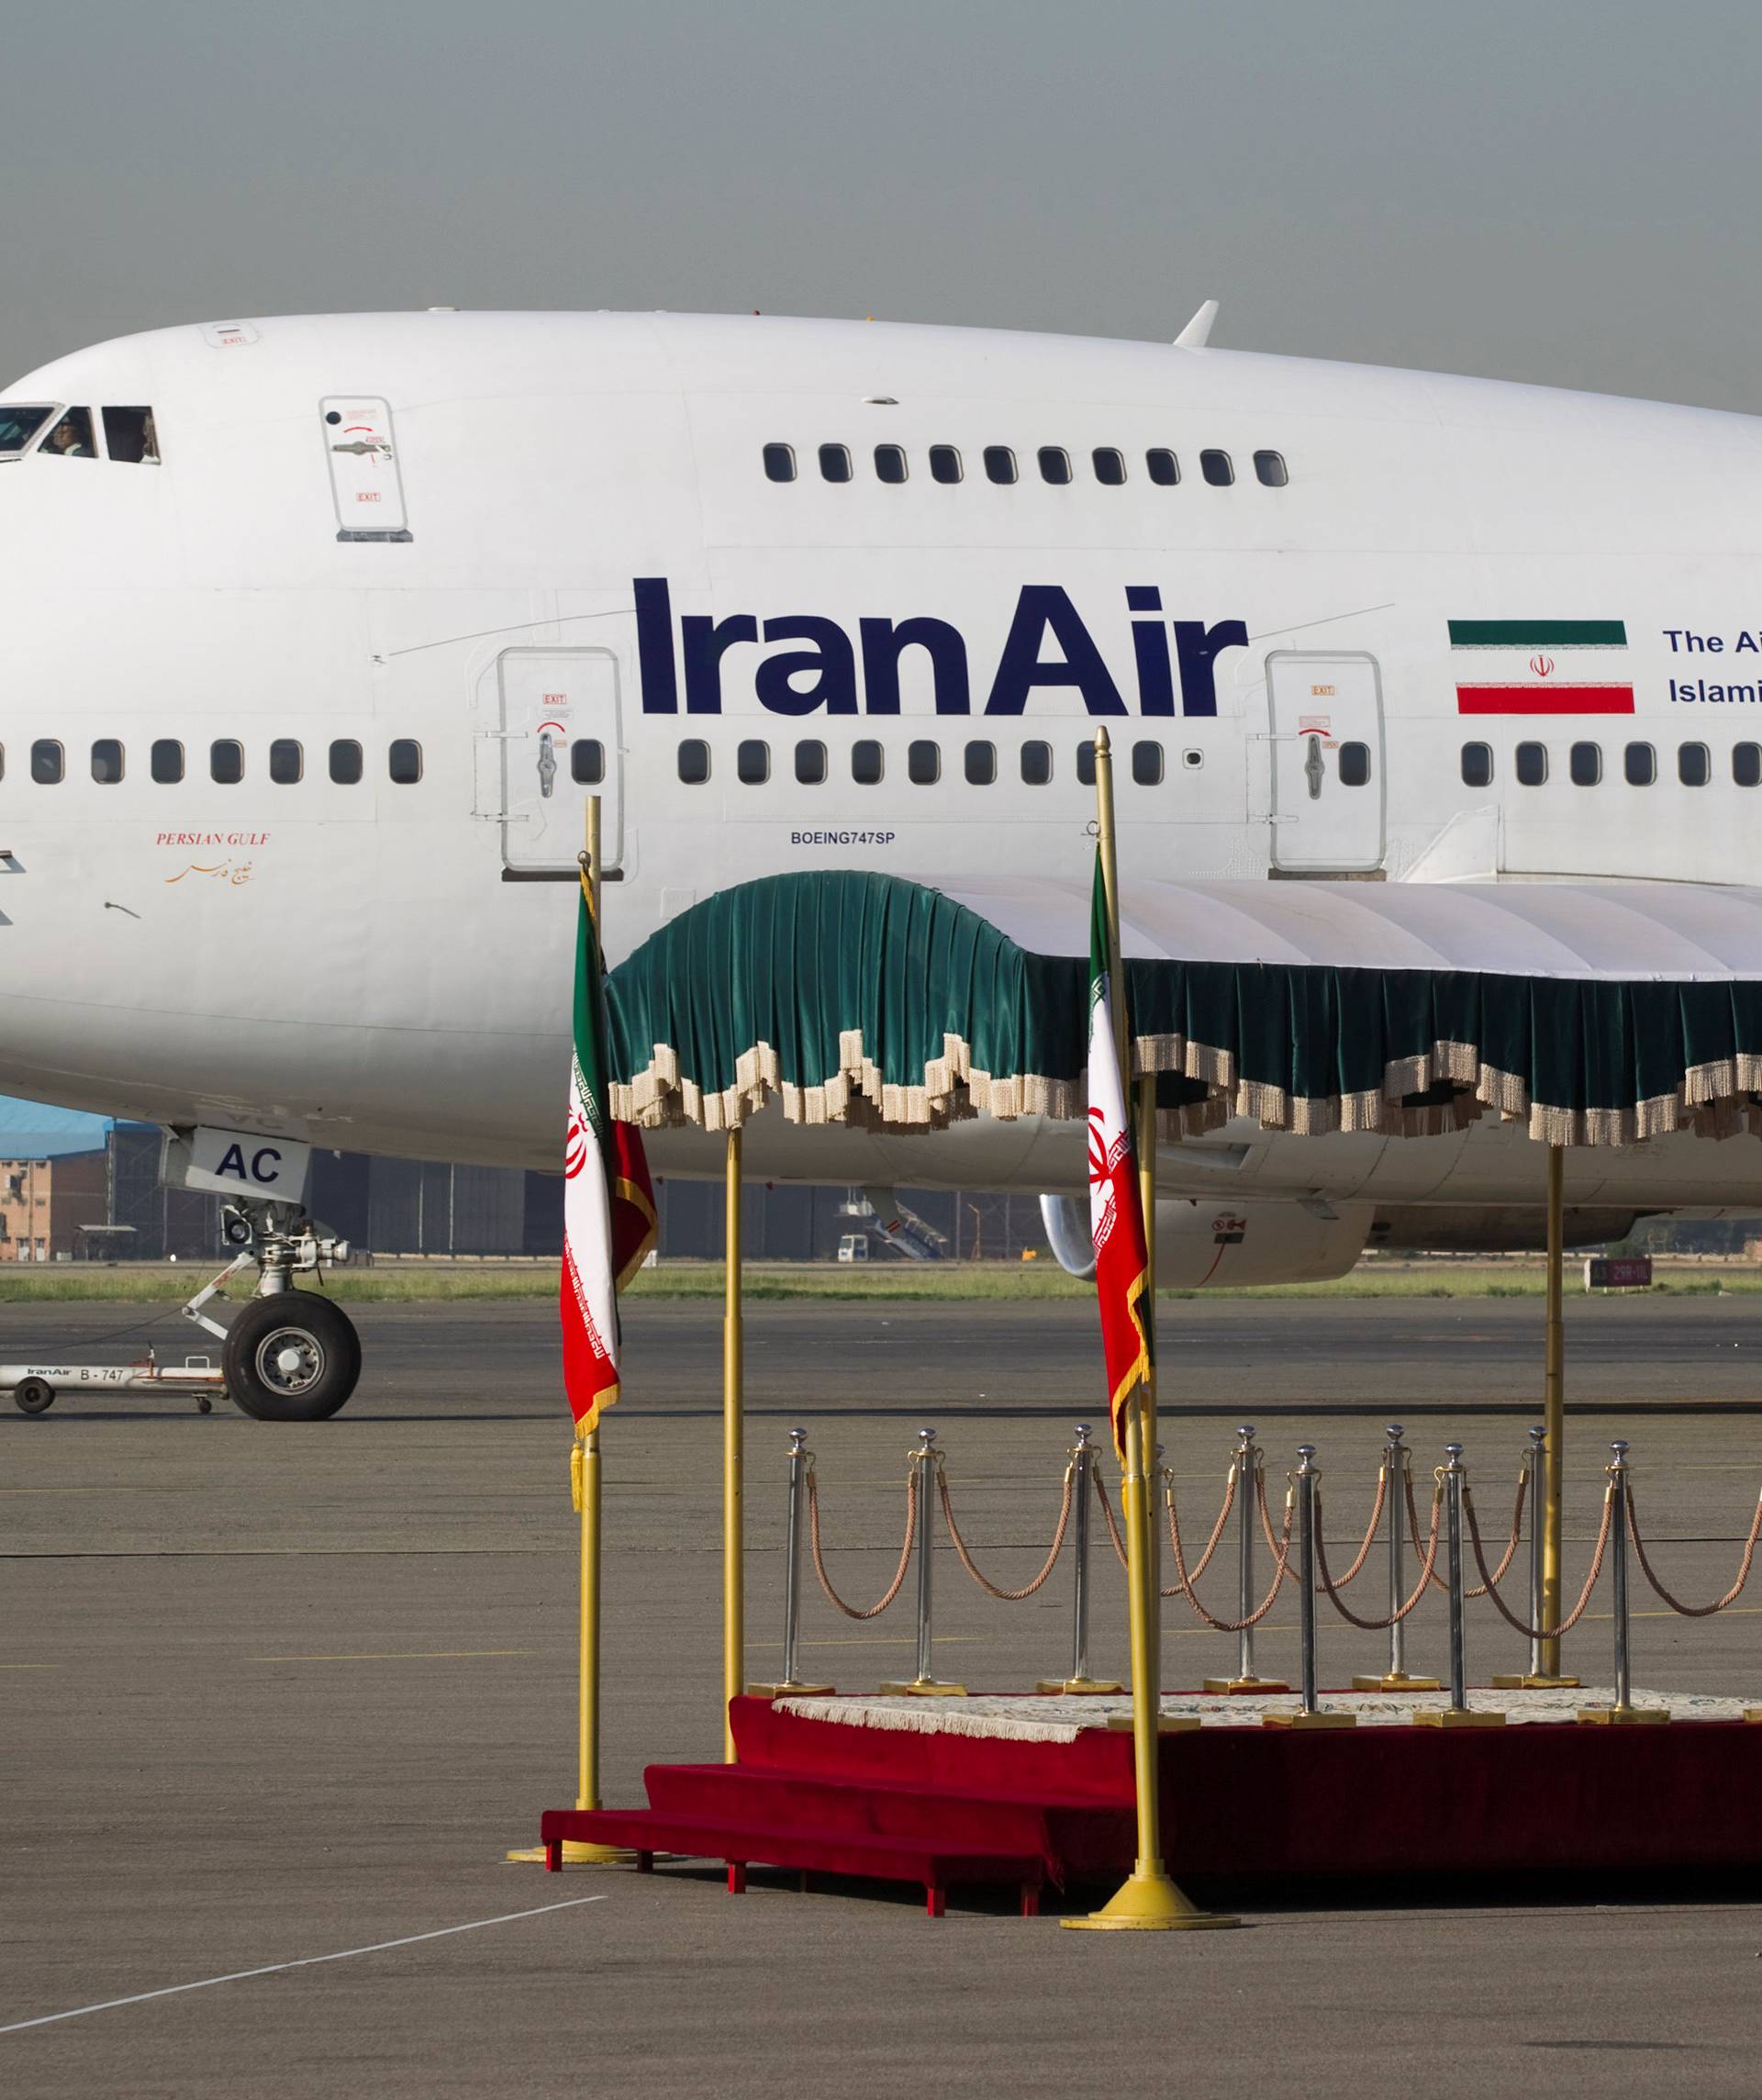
x=32, y=1130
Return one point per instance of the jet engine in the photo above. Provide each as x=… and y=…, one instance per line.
x=1202, y=1244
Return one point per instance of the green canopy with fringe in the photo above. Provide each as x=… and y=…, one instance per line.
x=1595, y=1014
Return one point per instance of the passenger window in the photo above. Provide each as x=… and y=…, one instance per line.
x=1270, y=470
x=981, y=762
x=1531, y=766
x=779, y=463
x=1110, y=467
x=345, y=762
x=3, y=761
x=106, y=761
x=694, y=761
x=890, y=464
x=47, y=762
x=586, y=762
x=866, y=766
x=753, y=761
x=1086, y=762
x=1585, y=763
x=227, y=761
x=404, y=761
x=1147, y=764
x=1746, y=765
x=944, y=462
x=1355, y=765
x=1217, y=469
x=1036, y=765
x=1476, y=764
x=1694, y=767
x=923, y=763
x=129, y=436
x=286, y=762
x=1640, y=764
x=71, y=438
x=1162, y=467
x=834, y=463
x=811, y=763
x=1055, y=464
x=165, y=761
x=999, y=464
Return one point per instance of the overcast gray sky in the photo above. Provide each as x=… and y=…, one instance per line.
x=1568, y=192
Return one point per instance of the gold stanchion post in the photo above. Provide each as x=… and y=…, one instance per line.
x=1148, y=1900
x=585, y=1492
x=733, y=1458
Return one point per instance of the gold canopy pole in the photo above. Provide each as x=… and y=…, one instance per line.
x=733, y=1457
x=1149, y=1901
x=1553, y=1416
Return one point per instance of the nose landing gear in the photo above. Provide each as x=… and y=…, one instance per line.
x=289, y=1355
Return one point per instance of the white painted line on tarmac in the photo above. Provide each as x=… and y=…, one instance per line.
x=308, y=1961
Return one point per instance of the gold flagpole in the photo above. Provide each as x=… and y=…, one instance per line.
x=1149, y=1901
x=734, y=1456
x=585, y=1492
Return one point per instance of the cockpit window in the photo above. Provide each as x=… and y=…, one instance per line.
x=18, y=426
x=71, y=438
x=130, y=435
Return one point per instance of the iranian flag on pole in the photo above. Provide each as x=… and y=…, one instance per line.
x=607, y=1202
x=1116, y=1218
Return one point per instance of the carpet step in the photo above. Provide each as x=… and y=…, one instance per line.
x=1072, y=1839
x=935, y=1865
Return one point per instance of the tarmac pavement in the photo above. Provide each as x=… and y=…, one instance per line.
x=271, y=1694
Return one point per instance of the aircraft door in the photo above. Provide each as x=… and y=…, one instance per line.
x=1329, y=799
x=366, y=483
x=559, y=739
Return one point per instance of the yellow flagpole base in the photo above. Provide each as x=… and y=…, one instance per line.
x=1457, y=1717
x=924, y=1688
x=1242, y=1687
x=1149, y=1902
x=789, y=1690
x=1406, y=1683
x=1526, y=1683
x=1621, y=1716
x=574, y=1854
x=1167, y=1724
x=1326, y=1719
x=1078, y=1687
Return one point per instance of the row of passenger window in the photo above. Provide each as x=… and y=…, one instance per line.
x=923, y=763
x=1056, y=464
x=165, y=761
x=1585, y=764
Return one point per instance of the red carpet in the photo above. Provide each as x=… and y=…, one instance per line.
x=1239, y=1804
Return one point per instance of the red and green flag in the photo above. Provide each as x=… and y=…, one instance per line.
x=1116, y=1215
x=1541, y=667
x=609, y=1222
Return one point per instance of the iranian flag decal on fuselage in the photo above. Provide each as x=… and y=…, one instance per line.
x=1541, y=666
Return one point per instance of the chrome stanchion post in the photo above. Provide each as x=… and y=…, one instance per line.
x=802, y=1461
x=1306, y=1474
x=1082, y=1463
x=1395, y=1465
x=1623, y=1709
x=1246, y=1465
x=1457, y=1714
x=927, y=1460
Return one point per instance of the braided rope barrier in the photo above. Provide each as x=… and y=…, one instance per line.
x=1212, y=1543
x=1695, y=1611
x=1370, y=1533
x=959, y=1544
x=832, y=1597
x=1332, y=1588
x=1281, y=1557
x=1490, y=1588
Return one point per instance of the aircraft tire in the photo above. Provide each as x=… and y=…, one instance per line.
x=33, y=1396
x=291, y=1358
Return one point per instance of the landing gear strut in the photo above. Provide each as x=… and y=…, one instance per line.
x=289, y=1355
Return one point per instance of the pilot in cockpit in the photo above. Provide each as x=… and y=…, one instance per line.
x=72, y=437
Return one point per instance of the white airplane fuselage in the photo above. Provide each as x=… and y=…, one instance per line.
x=502, y=542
